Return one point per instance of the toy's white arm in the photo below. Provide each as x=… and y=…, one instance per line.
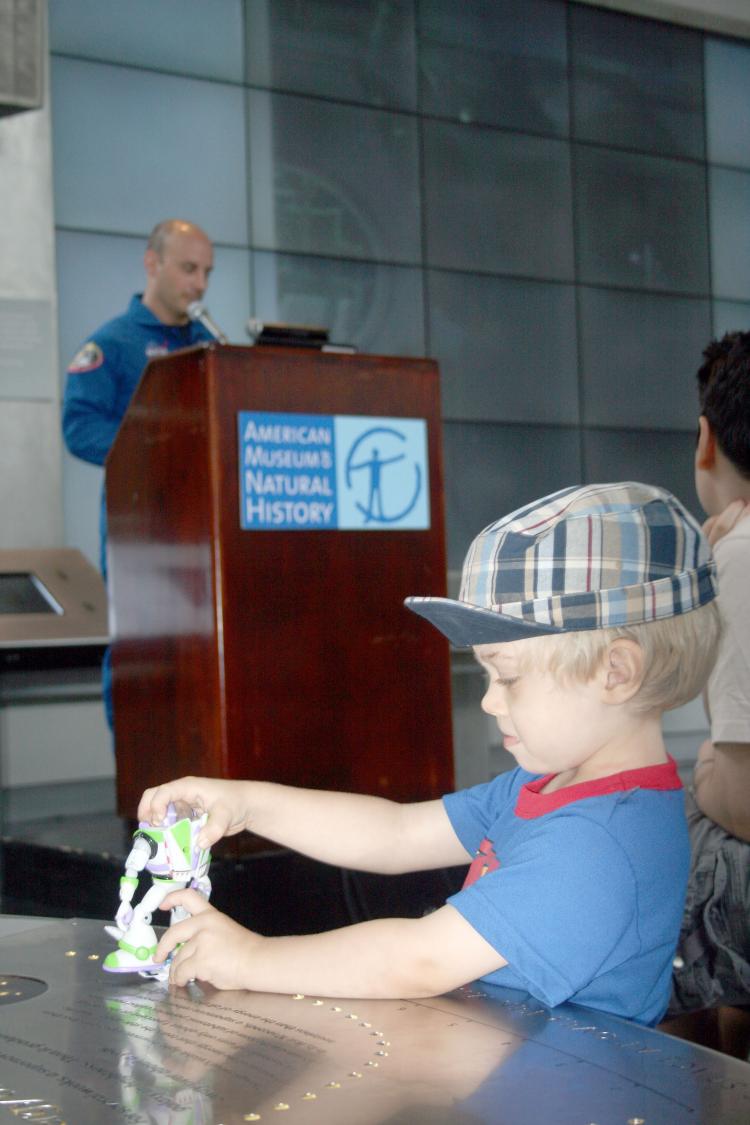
x=139, y=856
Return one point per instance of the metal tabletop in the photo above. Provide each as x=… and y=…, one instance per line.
x=79, y=1045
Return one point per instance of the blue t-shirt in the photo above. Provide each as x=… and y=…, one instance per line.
x=581, y=890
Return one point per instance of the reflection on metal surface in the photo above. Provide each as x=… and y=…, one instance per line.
x=93, y=1047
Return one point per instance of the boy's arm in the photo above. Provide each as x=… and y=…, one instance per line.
x=386, y=958
x=722, y=781
x=347, y=829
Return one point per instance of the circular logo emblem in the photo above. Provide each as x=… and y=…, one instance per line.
x=368, y=465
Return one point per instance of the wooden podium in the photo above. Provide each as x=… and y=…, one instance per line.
x=283, y=655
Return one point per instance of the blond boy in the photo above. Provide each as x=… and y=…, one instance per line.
x=592, y=611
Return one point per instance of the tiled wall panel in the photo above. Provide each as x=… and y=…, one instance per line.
x=507, y=348
x=497, y=202
x=636, y=85
x=727, y=98
x=183, y=36
x=376, y=307
x=645, y=455
x=638, y=354
x=132, y=147
x=641, y=221
x=730, y=232
x=330, y=178
x=363, y=52
x=551, y=199
x=498, y=64
x=492, y=469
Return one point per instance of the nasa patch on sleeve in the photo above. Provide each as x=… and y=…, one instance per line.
x=88, y=358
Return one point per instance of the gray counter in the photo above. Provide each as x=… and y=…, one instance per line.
x=78, y=1045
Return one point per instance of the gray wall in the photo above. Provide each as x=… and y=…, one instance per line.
x=29, y=383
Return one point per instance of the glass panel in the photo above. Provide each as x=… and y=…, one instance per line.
x=492, y=470
x=641, y=221
x=331, y=179
x=98, y=274
x=729, y=194
x=731, y=316
x=131, y=148
x=497, y=202
x=503, y=64
x=636, y=83
x=375, y=307
x=362, y=52
x=507, y=349
x=727, y=99
x=665, y=459
x=188, y=36
x=639, y=356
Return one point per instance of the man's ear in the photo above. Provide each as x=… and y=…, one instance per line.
x=705, y=453
x=623, y=670
x=150, y=262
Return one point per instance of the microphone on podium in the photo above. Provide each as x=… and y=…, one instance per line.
x=197, y=311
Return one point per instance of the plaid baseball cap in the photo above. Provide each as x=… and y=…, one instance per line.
x=583, y=558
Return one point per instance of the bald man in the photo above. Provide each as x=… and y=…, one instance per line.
x=105, y=371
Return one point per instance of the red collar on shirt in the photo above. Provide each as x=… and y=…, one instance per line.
x=532, y=802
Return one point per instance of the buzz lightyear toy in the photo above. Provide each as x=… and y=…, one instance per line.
x=170, y=854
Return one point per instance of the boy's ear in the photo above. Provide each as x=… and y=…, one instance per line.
x=705, y=453
x=623, y=670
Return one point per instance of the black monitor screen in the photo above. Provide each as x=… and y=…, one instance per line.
x=24, y=593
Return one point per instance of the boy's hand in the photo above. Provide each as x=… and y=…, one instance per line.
x=222, y=800
x=213, y=948
x=716, y=527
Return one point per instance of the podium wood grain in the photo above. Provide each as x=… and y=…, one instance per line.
x=280, y=655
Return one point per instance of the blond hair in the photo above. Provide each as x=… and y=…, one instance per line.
x=679, y=653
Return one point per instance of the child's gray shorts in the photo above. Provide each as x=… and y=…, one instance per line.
x=712, y=966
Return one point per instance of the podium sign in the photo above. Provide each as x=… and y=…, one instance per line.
x=312, y=471
x=269, y=510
